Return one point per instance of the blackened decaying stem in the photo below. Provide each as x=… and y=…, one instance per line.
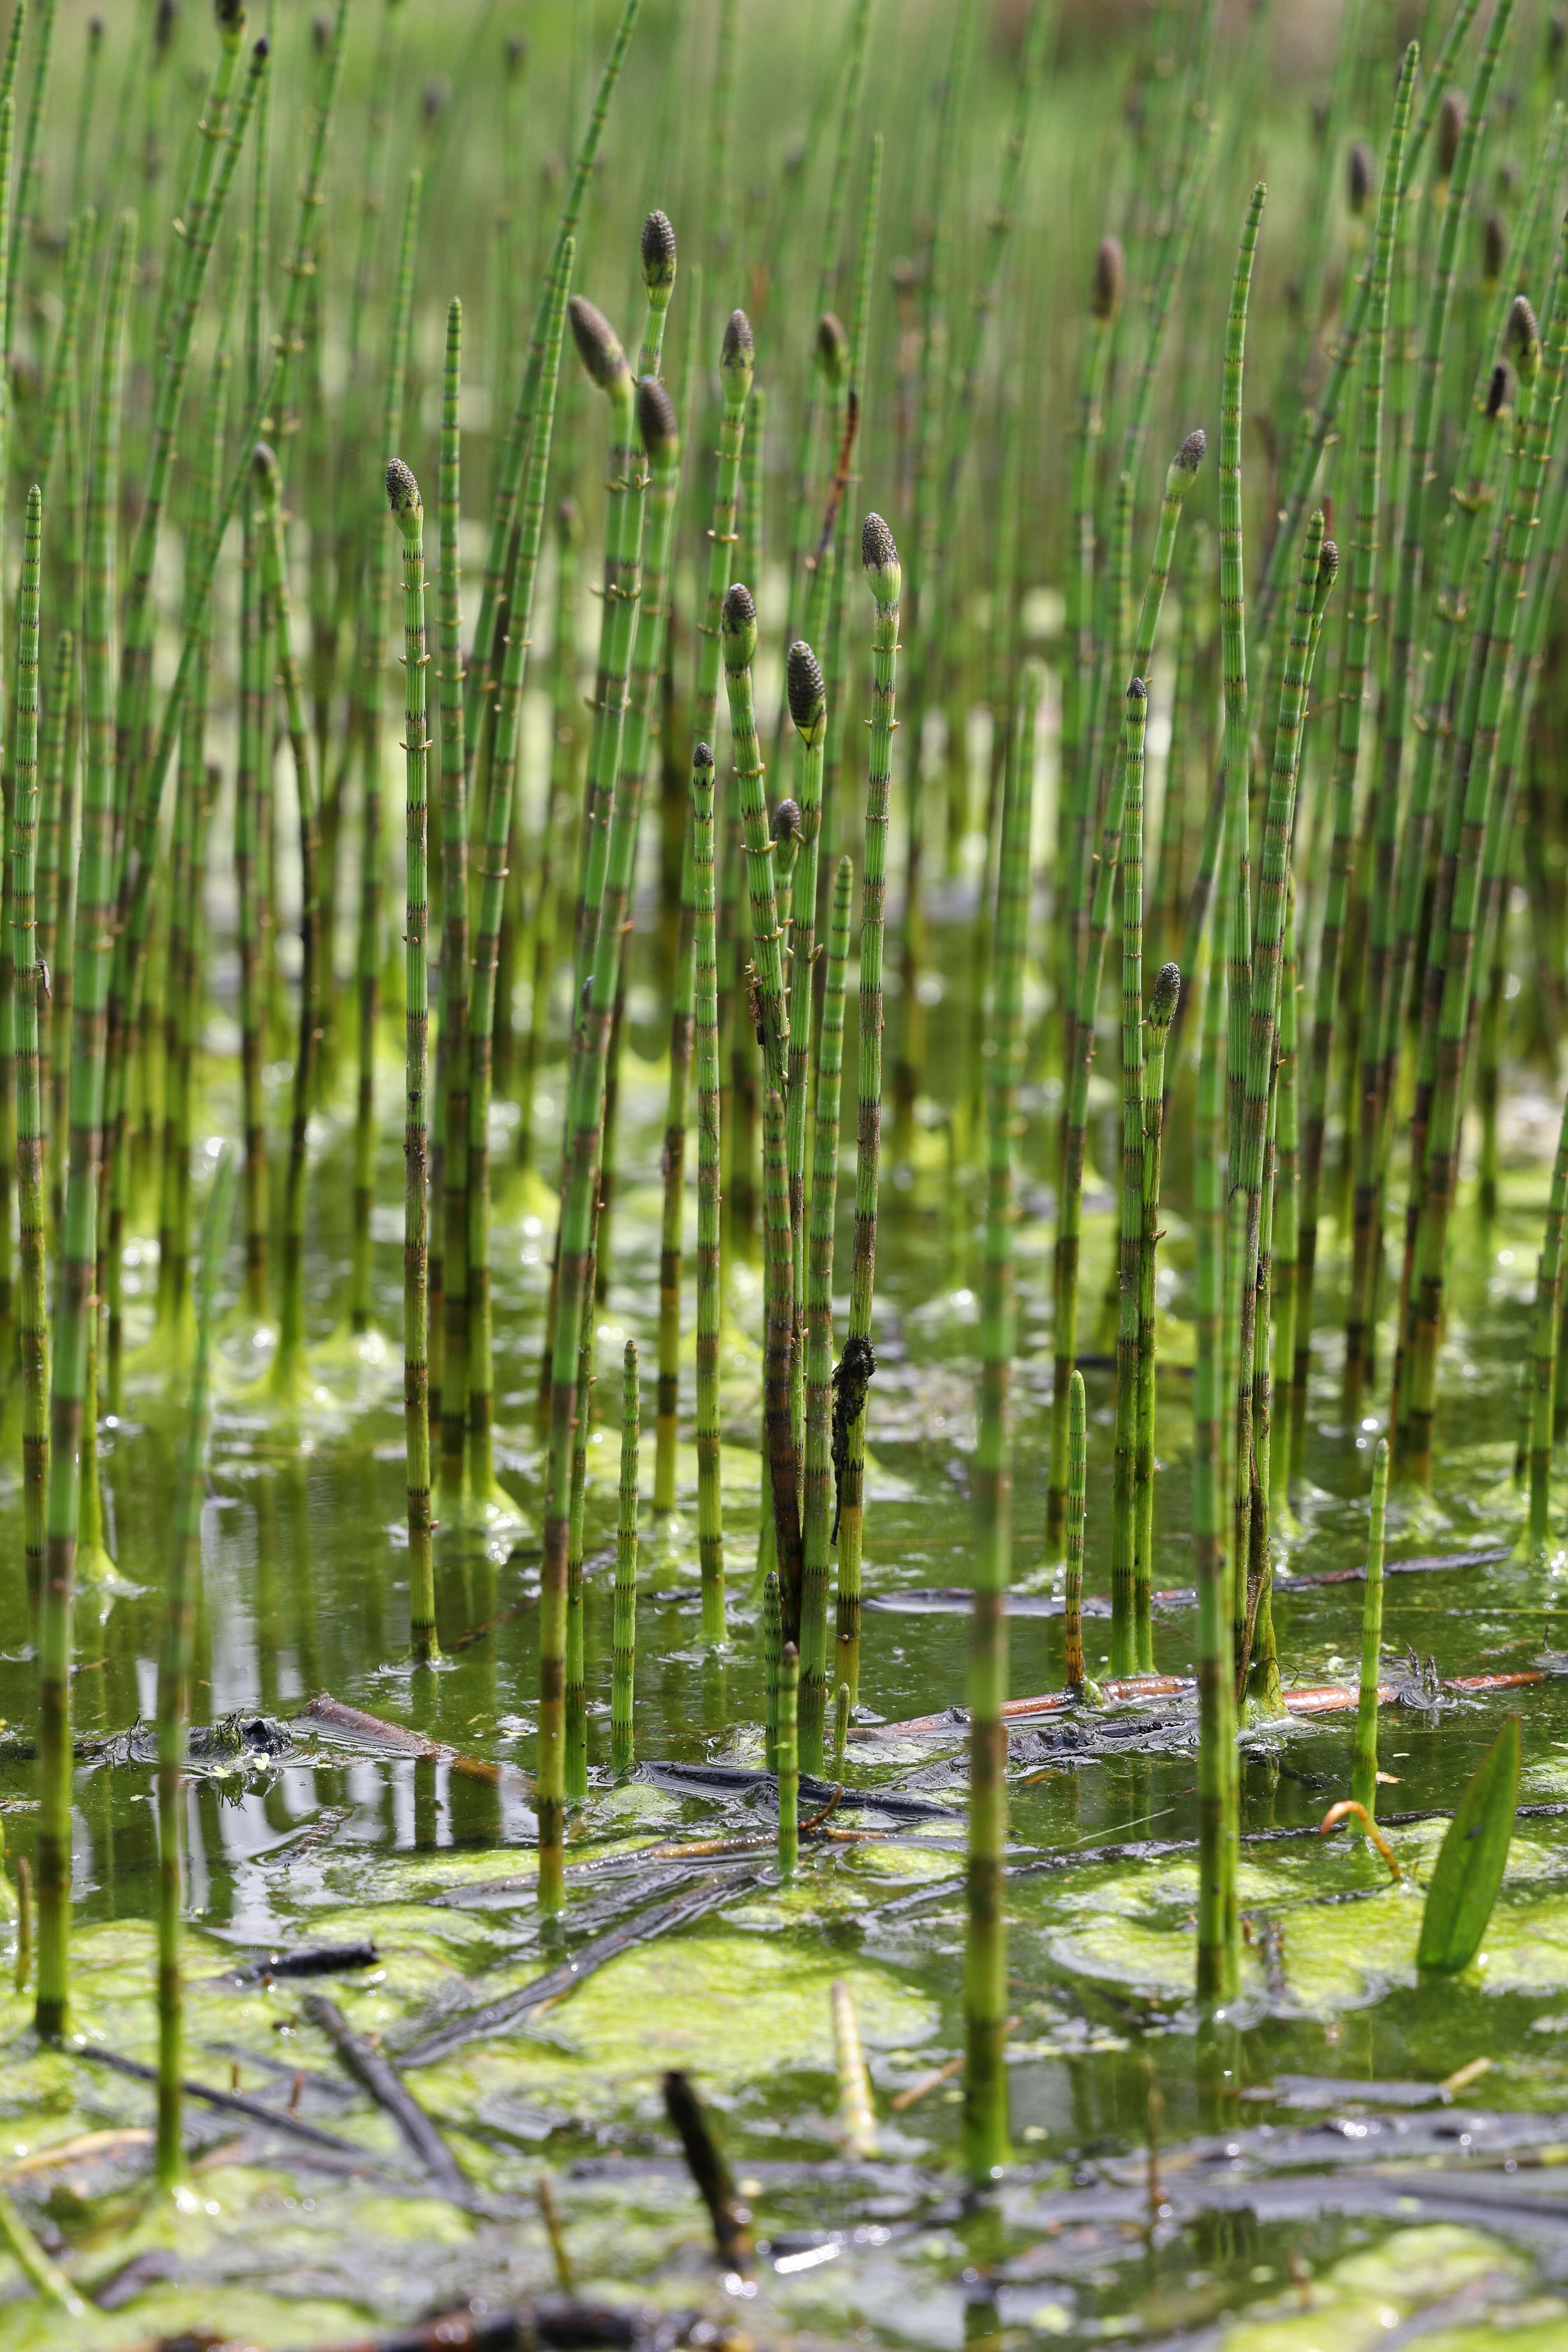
x=705, y=2160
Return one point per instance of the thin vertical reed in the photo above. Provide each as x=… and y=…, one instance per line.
x=1076, y=1514
x=789, y=1760
x=710, y=1503
x=624, y=1634
x=1123, y=1520
x=28, y=985
x=1363, y=1769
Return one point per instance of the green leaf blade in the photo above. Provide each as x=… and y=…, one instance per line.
x=1471, y=1860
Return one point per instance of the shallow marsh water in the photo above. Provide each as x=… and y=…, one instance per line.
x=1275, y=2212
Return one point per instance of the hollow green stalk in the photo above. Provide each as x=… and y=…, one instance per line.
x=1541, y=441
x=624, y=1631
x=1163, y=999
x=772, y=1653
x=1123, y=1521
x=1076, y=1514
x=452, y=1052
x=1088, y=969
x=1363, y=1767
x=176, y=1667
x=789, y=1760
x=985, y=1960
x=288, y=1373
x=73, y=1307
x=1359, y=610
x=805, y=697
x=879, y=556
x=28, y=989
x=709, y=1502
x=819, y=1331
x=484, y=1495
x=403, y=495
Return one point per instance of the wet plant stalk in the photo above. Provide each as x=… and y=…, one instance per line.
x=28, y=988
x=403, y=495
x=624, y=1635
x=1163, y=999
x=1363, y=1767
x=773, y=1654
x=1123, y=1520
x=789, y=1760
x=879, y=556
x=1078, y=1510
x=73, y=1309
x=709, y=1504
x=453, y=1053
x=819, y=1331
x=174, y=1671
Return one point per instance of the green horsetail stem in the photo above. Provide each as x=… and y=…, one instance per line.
x=28, y=984
x=780, y=1363
x=1359, y=610
x=452, y=1051
x=985, y=1950
x=1233, y=663
x=1287, y=1196
x=1218, y=1960
x=44, y=2275
x=216, y=162
x=1541, y=444
x=1385, y=965
x=660, y=437
x=735, y=376
x=833, y=672
x=1320, y=565
x=498, y=588
x=1544, y=1333
x=176, y=1667
x=403, y=496
x=805, y=697
x=710, y=1498
x=193, y=808
x=1078, y=1512
x=789, y=1760
x=623, y=1636
x=1074, y=812
x=73, y=1307
x=484, y=1495
x=250, y=923
x=373, y=663
x=576, y=1688
x=1087, y=970
x=24, y=203
x=593, y=1011
x=288, y=1372
x=59, y=385
x=1123, y=1521
x=819, y=1330
x=851, y=1379
x=773, y=1654
x=1164, y=997
x=1347, y=350
x=8, y=1104
x=1363, y=1767
x=51, y=800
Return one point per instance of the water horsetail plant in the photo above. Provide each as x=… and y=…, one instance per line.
x=450, y=1193
x=773, y=1654
x=789, y=1760
x=1218, y=1797
x=77, y=1257
x=1495, y=634
x=1163, y=999
x=1364, y=1770
x=660, y=437
x=1384, y=970
x=176, y=1668
x=1078, y=1512
x=1087, y=970
x=818, y=1483
x=852, y=1377
x=1542, y=1378
x=403, y=496
x=986, y=1968
x=486, y=1498
x=28, y=989
x=1124, y=1597
x=710, y=1503
x=1249, y=1532
x=784, y=1469
x=805, y=697
x=624, y=1633
x=372, y=629
x=735, y=366
x=1355, y=646
x=287, y=1376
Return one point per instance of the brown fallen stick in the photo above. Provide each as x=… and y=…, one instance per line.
x=927, y=2083
x=381, y=2079
x=240, y=2103
x=328, y=1714
x=1318, y=1698
x=706, y=2162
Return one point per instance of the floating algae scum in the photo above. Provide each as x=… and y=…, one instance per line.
x=936, y=1710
